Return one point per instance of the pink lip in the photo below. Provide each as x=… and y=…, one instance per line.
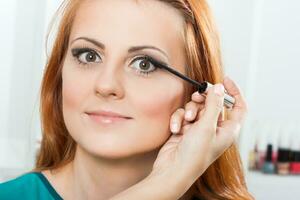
x=107, y=117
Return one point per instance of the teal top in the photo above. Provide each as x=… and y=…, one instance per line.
x=32, y=185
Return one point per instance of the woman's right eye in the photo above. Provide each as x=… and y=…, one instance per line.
x=86, y=56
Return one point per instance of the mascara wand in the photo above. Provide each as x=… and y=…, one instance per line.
x=202, y=87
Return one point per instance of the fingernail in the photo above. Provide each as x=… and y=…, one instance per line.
x=219, y=89
x=174, y=127
x=188, y=114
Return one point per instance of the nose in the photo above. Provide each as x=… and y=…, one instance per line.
x=109, y=82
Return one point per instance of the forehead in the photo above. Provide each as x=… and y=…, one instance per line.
x=130, y=22
x=144, y=16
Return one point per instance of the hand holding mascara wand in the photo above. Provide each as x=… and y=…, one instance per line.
x=202, y=87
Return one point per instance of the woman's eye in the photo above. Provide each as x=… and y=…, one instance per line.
x=86, y=56
x=143, y=65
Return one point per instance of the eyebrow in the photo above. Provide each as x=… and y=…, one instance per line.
x=130, y=50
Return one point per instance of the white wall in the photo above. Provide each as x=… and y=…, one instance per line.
x=23, y=28
x=7, y=19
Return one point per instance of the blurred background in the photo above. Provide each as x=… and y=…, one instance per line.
x=260, y=43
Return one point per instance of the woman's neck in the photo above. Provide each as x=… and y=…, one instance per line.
x=91, y=177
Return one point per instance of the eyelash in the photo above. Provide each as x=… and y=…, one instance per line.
x=77, y=52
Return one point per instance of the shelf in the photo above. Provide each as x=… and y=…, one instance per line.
x=272, y=186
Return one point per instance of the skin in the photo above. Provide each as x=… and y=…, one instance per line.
x=128, y=159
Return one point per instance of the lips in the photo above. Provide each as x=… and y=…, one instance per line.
x=107, y=117
x=108, y=114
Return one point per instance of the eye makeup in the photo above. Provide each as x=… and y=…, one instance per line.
x=202, y=87
x=144, y=72
x=87, y=56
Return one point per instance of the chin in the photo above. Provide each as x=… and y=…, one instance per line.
x=115, y=150
x=109, y=150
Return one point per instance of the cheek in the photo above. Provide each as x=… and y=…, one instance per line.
x=156, y=106
x=70, y=99
x=160, y=103
x=154, y=110
x=74, y=90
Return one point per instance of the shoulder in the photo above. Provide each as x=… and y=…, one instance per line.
x=22, y=181
x=26, y=186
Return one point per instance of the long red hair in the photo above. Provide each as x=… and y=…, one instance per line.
x=224, y=179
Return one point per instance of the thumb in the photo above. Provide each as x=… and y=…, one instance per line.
x=213, y=104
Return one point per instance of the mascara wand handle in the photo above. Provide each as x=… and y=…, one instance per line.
x=228, y=100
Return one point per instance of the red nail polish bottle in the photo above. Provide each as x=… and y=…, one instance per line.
x=283, y=154
x=295, y=164
x=295, y=156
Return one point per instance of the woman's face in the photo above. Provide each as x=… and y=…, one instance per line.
x=101, y=72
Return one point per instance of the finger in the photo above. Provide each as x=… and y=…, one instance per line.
x=185, y=128
x=227, y=134
x=221, y=116
x=184, y=122
x=231, y=126
x=176, y=120
x=240, y=107
x=200, y=112
x=191, y=110
x=213, y=104
x=197, y=97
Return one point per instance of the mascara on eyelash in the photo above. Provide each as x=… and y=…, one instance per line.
x=78, y=51
x=202, y=87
